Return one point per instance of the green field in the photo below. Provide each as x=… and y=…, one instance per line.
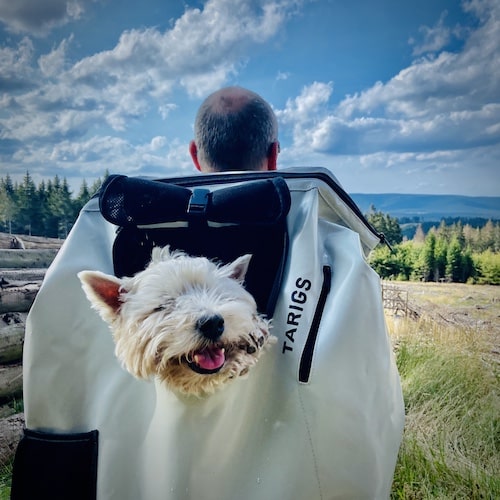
x=449, y=361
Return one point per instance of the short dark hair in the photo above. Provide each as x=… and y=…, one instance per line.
x=239, y=139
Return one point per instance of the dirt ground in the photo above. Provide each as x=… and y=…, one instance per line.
x=475, y=307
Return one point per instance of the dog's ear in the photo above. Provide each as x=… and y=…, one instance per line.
x=103, y=292
x=238, y=268
x=160, y=253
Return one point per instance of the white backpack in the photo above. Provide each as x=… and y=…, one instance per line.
x=319, y=417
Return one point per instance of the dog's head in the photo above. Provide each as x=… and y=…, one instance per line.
x=184, y=319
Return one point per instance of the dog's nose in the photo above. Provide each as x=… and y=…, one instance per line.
x=211, y=327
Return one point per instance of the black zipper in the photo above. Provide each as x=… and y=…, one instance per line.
x=320, y=174
x=308, y=352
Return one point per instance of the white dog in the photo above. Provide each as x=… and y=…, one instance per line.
x=183, y=319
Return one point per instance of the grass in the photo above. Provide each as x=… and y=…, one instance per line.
x=5, y=479
x=14, y=406
x=451, y=444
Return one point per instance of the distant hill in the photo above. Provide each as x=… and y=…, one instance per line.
x=429, y=207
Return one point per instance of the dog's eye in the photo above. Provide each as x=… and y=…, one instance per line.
x=166, y=305
x=161, y=307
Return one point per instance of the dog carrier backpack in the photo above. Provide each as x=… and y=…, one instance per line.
x=319, y=417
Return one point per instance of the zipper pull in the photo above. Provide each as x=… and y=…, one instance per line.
x=383, y=240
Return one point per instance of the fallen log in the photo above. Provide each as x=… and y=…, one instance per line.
x=22, y=275
x=11, y=381
x=30, y=241
x=12, y=328
x=27, y=258
x=17, y=298
x=12, y=318
x=10, y=433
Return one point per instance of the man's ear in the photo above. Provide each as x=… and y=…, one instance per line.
x=103, y=292
x=193, y=151
x=272, y=157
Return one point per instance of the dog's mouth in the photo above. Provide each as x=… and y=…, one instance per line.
x=208, y=360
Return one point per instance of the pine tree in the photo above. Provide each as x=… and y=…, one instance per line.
x=468, y=269
x=8, y=203
x=84, y=193
x=454, y=262
x=458, y=232
x=27, y=203
x=496, y=238
x=470, y=235
x=488, y=267
x=419, y=236
x=385, y=224
x=488, y=235
x=428, y=258
x=44, y=214
x=60, y=208
x=440, y=255
x=443, y=231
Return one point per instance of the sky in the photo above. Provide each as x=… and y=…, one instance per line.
x=393, y=96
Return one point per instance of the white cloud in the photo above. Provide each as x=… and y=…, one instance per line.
x=283, y=75
x=433, y=39
x=53, y=63
x=38, y=17
x=52, y=108
x=115, y=87
x=71, y=117
x=451, y=100
x=436, y=121
x=158, y=142
x=89, y=158
x=200, y=51
x=306, y=114
x=200, y=85
x=16, y=72
x=220, y=31
x=166, y=109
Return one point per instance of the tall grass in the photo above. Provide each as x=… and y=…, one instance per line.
x=451, y=444
x=5, y=481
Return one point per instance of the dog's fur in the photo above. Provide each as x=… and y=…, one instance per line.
x=183, y=319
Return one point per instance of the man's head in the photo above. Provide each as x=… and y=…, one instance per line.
x=235, y=129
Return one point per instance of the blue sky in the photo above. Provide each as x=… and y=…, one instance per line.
x=392, y=96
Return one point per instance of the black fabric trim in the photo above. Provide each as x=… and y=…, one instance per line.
x=128, y=201
x=55, y=466
x=305, y=172
x=306, y=359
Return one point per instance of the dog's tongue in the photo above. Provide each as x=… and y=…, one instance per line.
x=210, y=358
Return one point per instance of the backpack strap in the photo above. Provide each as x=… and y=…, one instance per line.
x=128, y=201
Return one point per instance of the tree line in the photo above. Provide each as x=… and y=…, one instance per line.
x=447, y=252
x=48, y=210
x=453, y=253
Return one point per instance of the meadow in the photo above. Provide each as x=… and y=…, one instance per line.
x=448, y=353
